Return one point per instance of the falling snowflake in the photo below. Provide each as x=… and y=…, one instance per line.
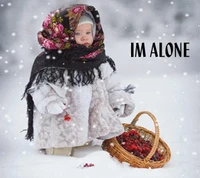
x=13, y=34
x=94, y=126
x=35, y=17
x=23, y=152
x=172, y=2
x=185, y=140
x=6, y=62
x=140, y=10
x=59, y=51
x=194, y=153
x=1, y=57
x=111, y=144
x=185, y=73
x=9, y=4
x=197, y=81
x=164, y=76
x=148, y=72
x=2, y=5
x=173, y=34
x=187, y=15
x=13, y=51
x=6, y=71
x=47, y=57
x=182, y=119
x=21, y=67
x=149, y=2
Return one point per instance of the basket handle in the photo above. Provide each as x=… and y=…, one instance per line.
x=157, y=132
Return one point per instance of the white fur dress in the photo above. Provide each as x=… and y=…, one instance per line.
x=90, y=108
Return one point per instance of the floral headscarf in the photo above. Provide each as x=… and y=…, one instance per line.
x=59, y=26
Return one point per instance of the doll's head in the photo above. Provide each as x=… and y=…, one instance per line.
x=84, y=33
x=66, y=27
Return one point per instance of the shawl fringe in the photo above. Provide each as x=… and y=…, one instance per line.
x=56, y=75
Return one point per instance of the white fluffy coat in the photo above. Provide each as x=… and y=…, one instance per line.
x=89, y=107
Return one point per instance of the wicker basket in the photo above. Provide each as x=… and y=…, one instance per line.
x=117, y=151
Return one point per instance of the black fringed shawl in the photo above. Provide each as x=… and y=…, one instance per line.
x=79, y=61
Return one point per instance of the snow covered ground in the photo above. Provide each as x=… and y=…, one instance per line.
x=167, y=87
x=173, y=99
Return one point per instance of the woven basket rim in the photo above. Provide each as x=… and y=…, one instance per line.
x=133, y=160
x=132, y=155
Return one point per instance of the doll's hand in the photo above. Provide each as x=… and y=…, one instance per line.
x=119, y=111
x=56, y=107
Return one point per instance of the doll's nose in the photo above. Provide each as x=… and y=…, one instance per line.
x=83, y=38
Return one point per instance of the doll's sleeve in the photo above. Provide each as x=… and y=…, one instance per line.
x=120, y=99
x=48, y=98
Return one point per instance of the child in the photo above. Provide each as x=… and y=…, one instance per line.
x=73, y=87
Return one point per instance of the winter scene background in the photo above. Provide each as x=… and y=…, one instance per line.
x=167, y=87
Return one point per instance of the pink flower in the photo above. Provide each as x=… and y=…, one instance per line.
x=57, y=30
x=40, y=38
x=60, y=27
x=77, y=9
x=47, y=21
x=48, y=44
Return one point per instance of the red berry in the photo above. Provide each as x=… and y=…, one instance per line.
x=67, y=117
x=136, y=145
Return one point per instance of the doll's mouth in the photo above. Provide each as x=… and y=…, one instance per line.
x=86, y=44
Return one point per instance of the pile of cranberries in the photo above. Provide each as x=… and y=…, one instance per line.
x=136, y=145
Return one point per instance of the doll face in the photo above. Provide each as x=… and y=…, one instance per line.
x=83, y=34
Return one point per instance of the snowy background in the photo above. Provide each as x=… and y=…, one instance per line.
x=168, y=87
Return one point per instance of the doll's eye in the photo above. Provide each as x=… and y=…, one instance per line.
x=88, y=33
x=77, y=33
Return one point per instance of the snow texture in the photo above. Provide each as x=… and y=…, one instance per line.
x=167, y=87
